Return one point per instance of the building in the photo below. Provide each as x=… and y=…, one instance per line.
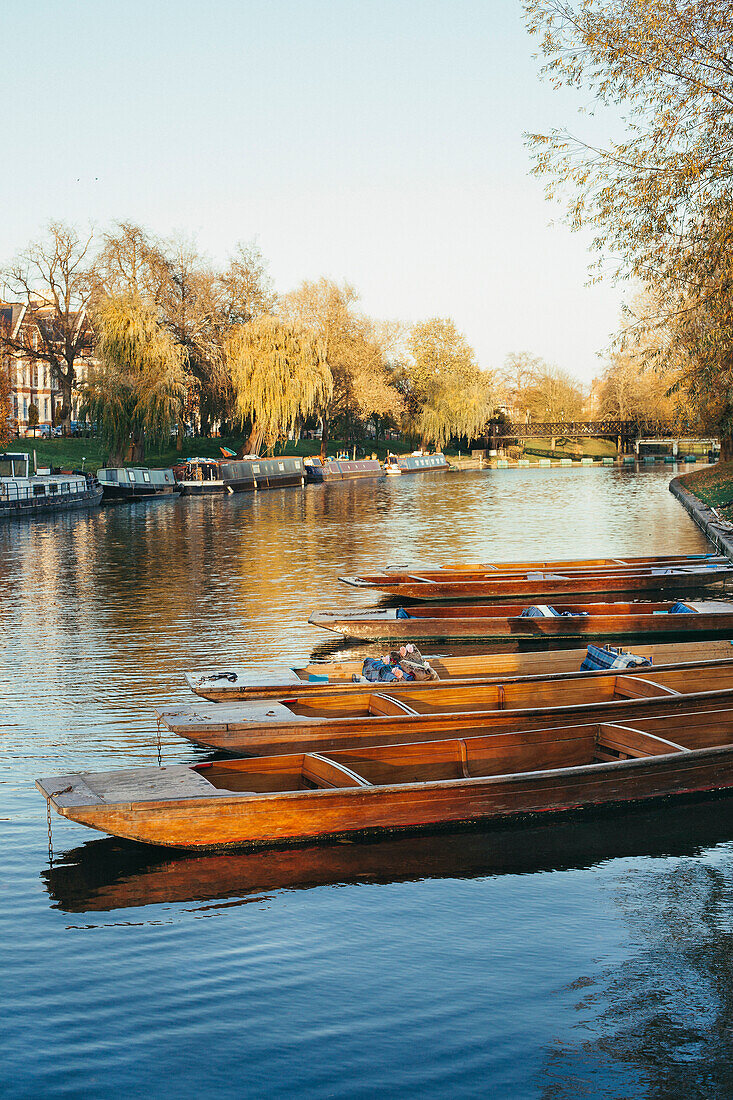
x=24, y=330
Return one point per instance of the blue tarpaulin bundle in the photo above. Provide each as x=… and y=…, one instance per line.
x=681, y=609
x=402, y=614
x=377, y=671
x=604, y=657
x=544, y=611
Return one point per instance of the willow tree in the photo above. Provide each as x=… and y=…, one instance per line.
x=659, y=195
x=279, y=376
x=456, y=410
x=135, y=389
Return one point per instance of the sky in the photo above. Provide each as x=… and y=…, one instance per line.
x=377, y=141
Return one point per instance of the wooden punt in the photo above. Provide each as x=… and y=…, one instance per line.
x=504, y=622
x=555, y=563
x=311, y=796
x=344, y=720
x=533, y=584
x=237, y=682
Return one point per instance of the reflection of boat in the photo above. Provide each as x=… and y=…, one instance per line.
x=341, y=469
x=503, y=622
x=23, y=494
x=680, y=578
x=112, y=874
x=416, y=463
x=377, y=714
x=307, y=796
x=199, y=476
x=238, y=682
x=126, y=483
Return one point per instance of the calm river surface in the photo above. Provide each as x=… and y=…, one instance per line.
x=584, y=958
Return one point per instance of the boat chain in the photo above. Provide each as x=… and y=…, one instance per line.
x=50, y=837
x=158, y=742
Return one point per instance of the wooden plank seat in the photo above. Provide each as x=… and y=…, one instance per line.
x=387, y=705
x=323, y=772
x=637, y=687
x=617, y=742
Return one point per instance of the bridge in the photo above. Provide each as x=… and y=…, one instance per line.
x=625, y=430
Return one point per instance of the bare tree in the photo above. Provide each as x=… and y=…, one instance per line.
x=54, y=279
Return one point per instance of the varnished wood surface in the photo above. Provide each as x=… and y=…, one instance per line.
x=415, y=786
x=500, y=622
x=463, y=671
x=343, y=719
x=558, y=563
x=545, y=584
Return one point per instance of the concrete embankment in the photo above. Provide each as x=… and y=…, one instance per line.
x=718, y=530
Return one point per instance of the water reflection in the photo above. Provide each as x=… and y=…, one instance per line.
x=659, y=1023
x=111, y=874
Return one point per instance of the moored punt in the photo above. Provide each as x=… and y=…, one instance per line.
x=237, y=683
x=557, y=563
x=307, y=796
x=505, y=622
x=343, y=720
x=679, y=578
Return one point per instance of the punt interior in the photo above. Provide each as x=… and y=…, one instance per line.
x=438, y=699
x=475, y=757
x=514, y=610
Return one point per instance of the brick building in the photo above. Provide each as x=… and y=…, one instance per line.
x=31, y=383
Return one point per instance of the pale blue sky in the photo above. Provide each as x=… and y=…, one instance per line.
x=379, y=141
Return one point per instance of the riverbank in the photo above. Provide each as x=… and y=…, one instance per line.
x=707, y=495
x=69, y=453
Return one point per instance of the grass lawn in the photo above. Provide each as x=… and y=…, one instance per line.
x=68, y=453
x=713, y=485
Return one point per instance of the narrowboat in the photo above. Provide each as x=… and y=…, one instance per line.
x=688, y=577
x=25, y=494
x=198, y=476
x=378, y=715
x=235, y=683
x=341, y=469
x=517, y=622
x=310, y=796
x=416, y=463
x=138, y=483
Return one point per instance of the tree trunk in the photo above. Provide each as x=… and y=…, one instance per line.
x=254, y=440
x=180, y=434
x=324, y=438
x=726, y=448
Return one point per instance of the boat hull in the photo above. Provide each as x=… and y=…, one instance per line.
x=297, y=817
x=22, y=509
x=455, y=623
x=598, y=584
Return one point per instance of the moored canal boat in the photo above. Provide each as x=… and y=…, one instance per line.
x=341, y=469
x=139, y=483
x=416, y=463
x=24, y=494
x=311, y=795
x=200, y=476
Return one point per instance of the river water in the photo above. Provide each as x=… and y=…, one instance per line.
x=580, y=958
